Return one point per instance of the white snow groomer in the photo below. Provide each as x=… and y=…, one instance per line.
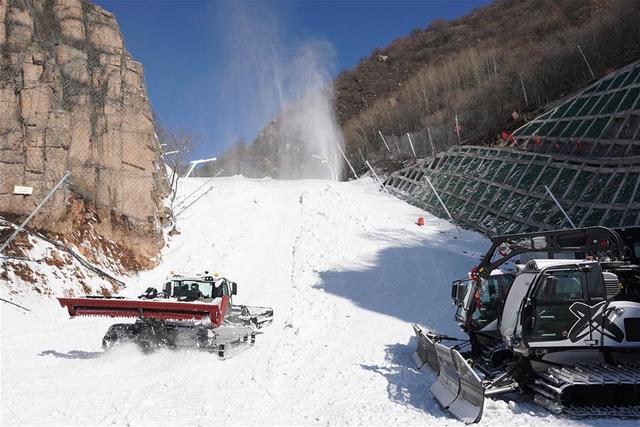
x=566, y=331
x=187, y=312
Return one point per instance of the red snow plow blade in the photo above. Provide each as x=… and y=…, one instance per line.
x=163, y=310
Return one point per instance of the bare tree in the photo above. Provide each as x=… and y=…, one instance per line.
x=177, y=148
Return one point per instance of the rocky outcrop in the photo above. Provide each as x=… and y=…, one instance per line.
x=73, y=99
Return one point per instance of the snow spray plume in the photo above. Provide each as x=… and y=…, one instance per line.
x=294, y=85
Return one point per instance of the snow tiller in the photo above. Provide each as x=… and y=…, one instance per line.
x=187, y=312
x=564, y=331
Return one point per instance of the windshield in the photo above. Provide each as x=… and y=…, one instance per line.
x=488, y=299
x=193, y=289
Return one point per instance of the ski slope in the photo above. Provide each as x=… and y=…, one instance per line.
x=344, y=267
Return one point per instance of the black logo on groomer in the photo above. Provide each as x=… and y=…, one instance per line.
x=593, y=319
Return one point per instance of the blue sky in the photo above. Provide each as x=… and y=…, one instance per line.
x=202, y=58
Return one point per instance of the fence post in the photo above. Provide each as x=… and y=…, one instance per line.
x=411, y=145
x=375, y=175
x=593, y=76
x=524, y=91
x=347, y=160
x=383, y=140
x=433, y=148
x=361, y=156
x=442, y=203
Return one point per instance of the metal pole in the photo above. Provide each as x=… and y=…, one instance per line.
x=442, y=203
x=411, y=145
x=325, y=162
x=180, y=202
x=13, y=303
x=433, y=148
x=361, y=156
x=593, y=76
x=524, y=91
x=195, y=163
x=347, y=160
x=560, y=206
x=40, y=205
x=385, y=142
x=376, y=176
x=191, y=204
x=458, y=129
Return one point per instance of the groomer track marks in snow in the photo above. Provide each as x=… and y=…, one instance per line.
x=346, y=271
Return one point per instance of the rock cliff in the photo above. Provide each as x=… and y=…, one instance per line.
x=73, y=99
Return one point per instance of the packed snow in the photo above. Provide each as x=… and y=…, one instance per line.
x=346, y=270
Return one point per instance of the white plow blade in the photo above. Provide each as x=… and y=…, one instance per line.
x=426, y=350
x=470, y=401
x=447, y=386
x=458, y=388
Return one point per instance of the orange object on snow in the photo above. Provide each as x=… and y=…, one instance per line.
x=420, y=221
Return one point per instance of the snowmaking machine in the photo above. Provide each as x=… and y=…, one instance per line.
x=187, y=312
x=563, y=331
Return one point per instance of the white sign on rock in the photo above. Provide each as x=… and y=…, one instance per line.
x=23, y=190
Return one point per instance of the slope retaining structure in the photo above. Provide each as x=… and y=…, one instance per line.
x=585, y=149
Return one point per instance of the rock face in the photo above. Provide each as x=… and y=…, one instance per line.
x=73, y=99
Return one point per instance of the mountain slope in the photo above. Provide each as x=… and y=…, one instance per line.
x=345, y=269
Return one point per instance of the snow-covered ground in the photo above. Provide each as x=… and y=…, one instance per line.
x=344, y=267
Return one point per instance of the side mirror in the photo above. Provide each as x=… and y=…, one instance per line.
x=454, y=292
x=234, y=288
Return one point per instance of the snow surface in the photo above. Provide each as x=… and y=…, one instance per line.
x=346, y=270
x=49, y=270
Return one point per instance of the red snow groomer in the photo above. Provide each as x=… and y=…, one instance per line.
x=187, y=312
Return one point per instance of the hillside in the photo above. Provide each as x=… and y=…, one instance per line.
x=505, y=25
x=478, y=67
